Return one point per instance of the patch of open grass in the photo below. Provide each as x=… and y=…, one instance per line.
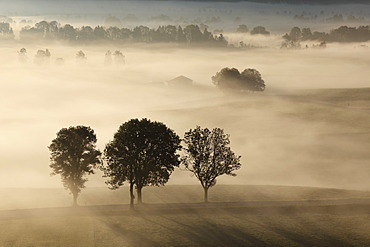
x=269, y=226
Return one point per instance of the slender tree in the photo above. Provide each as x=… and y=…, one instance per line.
x=208, y=156
x=73, y=156
x=142, y=153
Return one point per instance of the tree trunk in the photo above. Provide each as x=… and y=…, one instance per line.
x=75, y=195
x=139, y=198
x=205, y=194
x=132, y=196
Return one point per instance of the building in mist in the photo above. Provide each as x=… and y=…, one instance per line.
x=180, y=81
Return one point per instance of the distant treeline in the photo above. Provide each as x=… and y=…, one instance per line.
x=284, y=1
x=309, y=2
x=167, y=34
x=342, y=34
x=256, y=1
x=190, y=34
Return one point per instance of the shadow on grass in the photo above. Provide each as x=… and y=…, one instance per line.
x=205, y=233
x=303, y=230
x=129, y=237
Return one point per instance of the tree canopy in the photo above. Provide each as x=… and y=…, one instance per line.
x=232, y=80
x=6, y=32
x=73, y=156
x=260, y=30
x=190, y=34
x=142, y=153
x=343, y=34
x=242, y=29
x=208, y=156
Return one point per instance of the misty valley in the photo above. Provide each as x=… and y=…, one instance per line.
x=184, y=123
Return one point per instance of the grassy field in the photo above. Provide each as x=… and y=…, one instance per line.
x=266, y=226
x=191, y=223
x=54, y=197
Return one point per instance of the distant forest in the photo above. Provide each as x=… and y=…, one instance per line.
x=266, y=1
x=292, y=1
x=254, y=1
x=190, y=34
x=343, y=34
x=53, y=30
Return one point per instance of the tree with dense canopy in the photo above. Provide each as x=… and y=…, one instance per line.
x=6, y=32
x=208, y=156
x=232, y=80
x=292, y=40
x=73, y=156
x=22, y=55
x=242, y=29
x=142, y=153
x=42, y=57
x=119, y=58
x=260, y=30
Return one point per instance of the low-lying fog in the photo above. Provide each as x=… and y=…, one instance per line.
x=280, y=139
x=283, y=139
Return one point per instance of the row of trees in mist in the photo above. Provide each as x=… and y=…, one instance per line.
x=256, y=30
x=142, y=153
x=303, y=1
x=42, y=57
x=54, y=31
x=342, y=34
x=6, y=31
x=191, y=34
